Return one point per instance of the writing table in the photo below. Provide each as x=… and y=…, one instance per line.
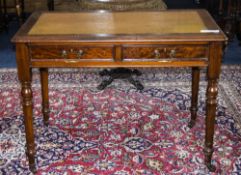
x=175, y=38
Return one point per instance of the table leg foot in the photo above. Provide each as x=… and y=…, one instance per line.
x=32, y=168
x=191, y=123
x=208, y=158
x=31, y=154
x=46, y=123
x=46, y=112
x=211, y=167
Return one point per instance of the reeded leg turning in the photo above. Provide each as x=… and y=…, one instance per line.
x=26, y=93
x=45, y=94
x=194, y=100
x=212, y=92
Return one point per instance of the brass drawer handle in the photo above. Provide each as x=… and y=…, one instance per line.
x=157, y=53
x=64, y=54
x=172, y=53
x=78, y=53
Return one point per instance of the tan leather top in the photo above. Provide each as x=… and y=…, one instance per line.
x=166, y=22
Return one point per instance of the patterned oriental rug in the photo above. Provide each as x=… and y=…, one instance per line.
x=120, y=130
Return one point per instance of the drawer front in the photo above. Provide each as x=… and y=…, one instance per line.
x=164, y=52
x=69, y=52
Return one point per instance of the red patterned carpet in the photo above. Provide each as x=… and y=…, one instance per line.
x=121, y=131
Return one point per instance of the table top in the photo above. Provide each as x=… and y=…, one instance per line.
x=103, y=25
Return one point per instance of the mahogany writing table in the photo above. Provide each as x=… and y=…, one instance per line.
x=176, y=38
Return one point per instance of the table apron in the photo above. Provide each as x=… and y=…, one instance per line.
x=112, y=64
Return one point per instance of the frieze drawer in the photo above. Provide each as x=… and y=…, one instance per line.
x=164, y=52
x=68, y=52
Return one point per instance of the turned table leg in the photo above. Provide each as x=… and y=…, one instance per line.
x=19, y=10
x=26, y=93
x=45, y=94
x=237, y=7
x=25, y=77
x=212, y=92
x=5, y=15
x=194, y=100
x=50, y=4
